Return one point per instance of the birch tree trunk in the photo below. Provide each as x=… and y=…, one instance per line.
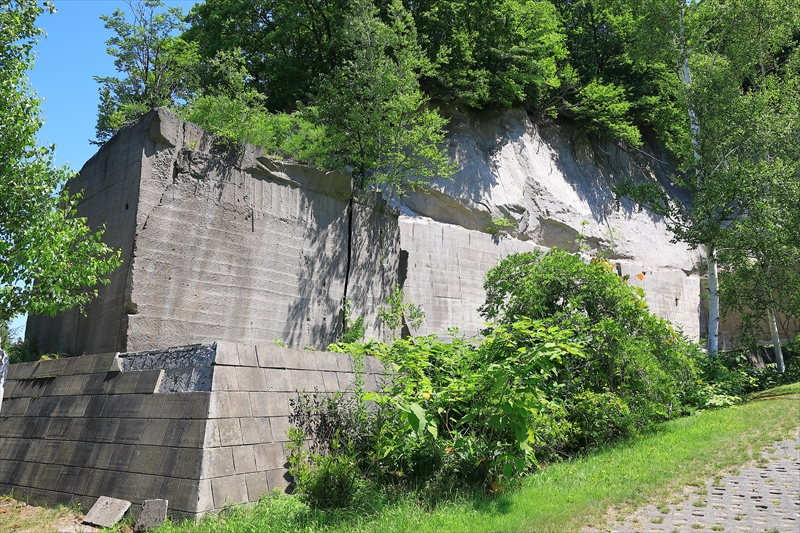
x=713, y=301
x=776, y=340
x=3, y=371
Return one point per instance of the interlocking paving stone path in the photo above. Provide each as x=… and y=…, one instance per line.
x=762, y=497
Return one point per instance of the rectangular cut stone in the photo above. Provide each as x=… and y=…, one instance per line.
x=247, y=355
x=227, y=354
x=256, y=485
x=256, y=431
x=269, y=456
x=240, y=404
x=225, y=379
x=280, y=428
x=229, y=490
x=278, y=479
x=146, y=459
x=243, y=460
x=153, y=514
x=106, y=512
x=271, y=356
x=218, y=462
x=230, y=432
x=308, y=380
x=279, y=380
x=250, y=379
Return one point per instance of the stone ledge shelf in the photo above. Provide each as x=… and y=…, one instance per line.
x=202, y=426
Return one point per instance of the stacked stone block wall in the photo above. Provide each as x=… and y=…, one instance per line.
x=202, y=426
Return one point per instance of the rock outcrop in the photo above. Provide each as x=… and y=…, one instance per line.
x=231, y=245
x=552, y=184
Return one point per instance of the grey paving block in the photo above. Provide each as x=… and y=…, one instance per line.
x=205, y=497
x=328, y=361
x=168, y=462
x=127, y=383
x=148, y=379
x=280, y=428
x=149, y=487
x=121, y=457
x=153, y=514
x=101, y=482
x=228, y=490
x=278, y=479
x=94, y=383
x=330, y=381
x=129, y=405
x=69, y=475
x=154, y=432
x=197, y=404
x=94, y=407
x=308, y=380
x=72, y=406
x=102, y=429
x=186, y=498
x=152, y=406
x=219, y=405
x=301, y=359
x=212, y=439
x=101, y=455
x=174, y=406
x=58, y=428
x=101, y=363
x=106, y=512
x=271, y=403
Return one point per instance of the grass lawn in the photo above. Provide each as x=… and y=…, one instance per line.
x=563, y=497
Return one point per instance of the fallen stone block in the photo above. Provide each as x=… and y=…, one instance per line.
x=106, y=512
x=154, y=513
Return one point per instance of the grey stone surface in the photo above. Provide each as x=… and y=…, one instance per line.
x=153, y=514
x=757, y=499
x=229, y=246
x=106, y=512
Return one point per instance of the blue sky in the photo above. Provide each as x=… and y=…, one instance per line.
x=72, y=52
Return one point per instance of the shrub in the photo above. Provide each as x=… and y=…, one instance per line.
x=631, y=353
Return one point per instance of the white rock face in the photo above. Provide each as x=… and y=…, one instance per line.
x=553, y=184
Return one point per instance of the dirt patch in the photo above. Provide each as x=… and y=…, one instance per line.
x=19, y=517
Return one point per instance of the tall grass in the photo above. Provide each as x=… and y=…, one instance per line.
x=560, y=498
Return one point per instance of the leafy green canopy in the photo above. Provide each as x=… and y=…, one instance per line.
x=49, y=259
x=160, y=68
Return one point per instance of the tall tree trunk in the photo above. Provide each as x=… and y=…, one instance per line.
x=713, y=301
x=776, y=340
x=3, y=370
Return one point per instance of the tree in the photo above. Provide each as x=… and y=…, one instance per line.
x=722, y=53
x=160, y=68
x=50, y=260
x=377, y=117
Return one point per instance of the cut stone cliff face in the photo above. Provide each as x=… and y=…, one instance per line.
x=233, y=246
x=553, y=184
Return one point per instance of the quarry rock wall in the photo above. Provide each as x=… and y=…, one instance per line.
x=552, y=184
x=222, y=244
x=228, y=244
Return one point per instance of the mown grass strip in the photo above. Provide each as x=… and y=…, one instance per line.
x=563, y=497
